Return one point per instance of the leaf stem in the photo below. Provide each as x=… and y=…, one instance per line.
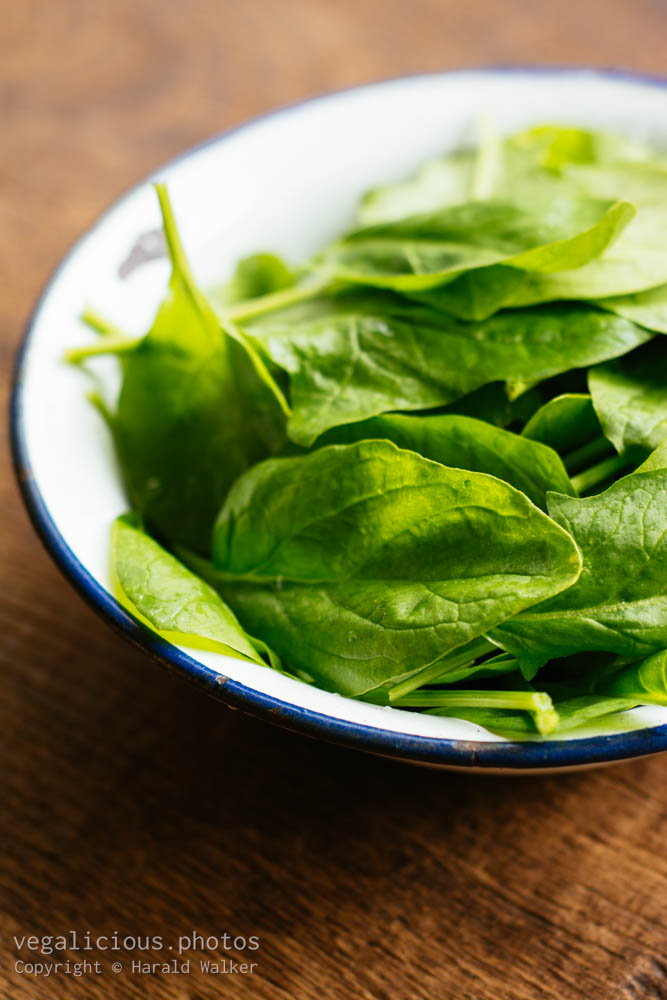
x=581, y=457
x=252, y=308
x=112, y=344
x=598, y=474
x=463, y=656
x=503, y=664
x=180, y=265
x=538, y=703
x=101, y=324
x=487, y=160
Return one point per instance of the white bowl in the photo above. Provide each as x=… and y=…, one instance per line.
x=288, y=182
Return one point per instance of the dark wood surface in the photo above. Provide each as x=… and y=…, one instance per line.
x=132, y=803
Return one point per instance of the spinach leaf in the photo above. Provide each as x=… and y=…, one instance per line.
x=446, y=181
x=565, y=422
x=656, y=460
x=645, y=682
x=554, y=147
x=630, y=398
x=196, y=408
x=466, y=443
x=256, y=275
x=492, y=403
x=363, y=563
x=424, y=251
x=633, y=263
x=344, y=368
x=619, y=603
x=536, y=159
x=158, y=590
x=476, y=294
x=647, y=308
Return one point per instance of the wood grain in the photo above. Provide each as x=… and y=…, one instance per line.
x=133, y=803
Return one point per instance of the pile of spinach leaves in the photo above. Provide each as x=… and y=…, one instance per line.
x=429, y=468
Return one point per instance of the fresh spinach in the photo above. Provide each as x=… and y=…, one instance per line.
x=619, y=603
x=349, y=366
x=181, y=607
x=647, y=308
x=337, y=470
x=630, y=398
x=367, y=562
x=424, y=251
x=196, y=408
x=257, y=275
x=572, y=713
x=566, y=423
x=466, y=443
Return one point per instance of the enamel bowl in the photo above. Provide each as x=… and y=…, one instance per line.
x=288, y=182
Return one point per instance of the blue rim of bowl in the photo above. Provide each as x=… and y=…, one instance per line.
x=463, y=754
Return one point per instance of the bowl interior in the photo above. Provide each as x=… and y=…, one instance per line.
x=288, y=183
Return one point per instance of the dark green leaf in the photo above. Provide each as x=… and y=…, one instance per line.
x=644, y=682
x=344, y=368
x=630, y=398
x=619, y=603
x=466, y=443
x=364, y=562
x=565, y=423
x=196, y=408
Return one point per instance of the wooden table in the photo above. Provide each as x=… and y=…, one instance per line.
x=131, y=803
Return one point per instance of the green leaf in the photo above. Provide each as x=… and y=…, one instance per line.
x=256, y=275
x=648, y=308
x=630, y=398
x=644, y=682
x=476, y=294
x=158, y=590
x=196, y=408
x=466, y=443
x=565, y=423
x=361, y=563
x=492, y=403
x=619, y=603
x=424, y=251
x=345, y=368
x=532, y=160
x=656, y=460
x=635, y=262
x=446, y=181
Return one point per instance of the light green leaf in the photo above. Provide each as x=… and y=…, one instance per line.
x=425, y=251
x=647, y=308
x=446, y=181
x=256, y=275
x=158, y=590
